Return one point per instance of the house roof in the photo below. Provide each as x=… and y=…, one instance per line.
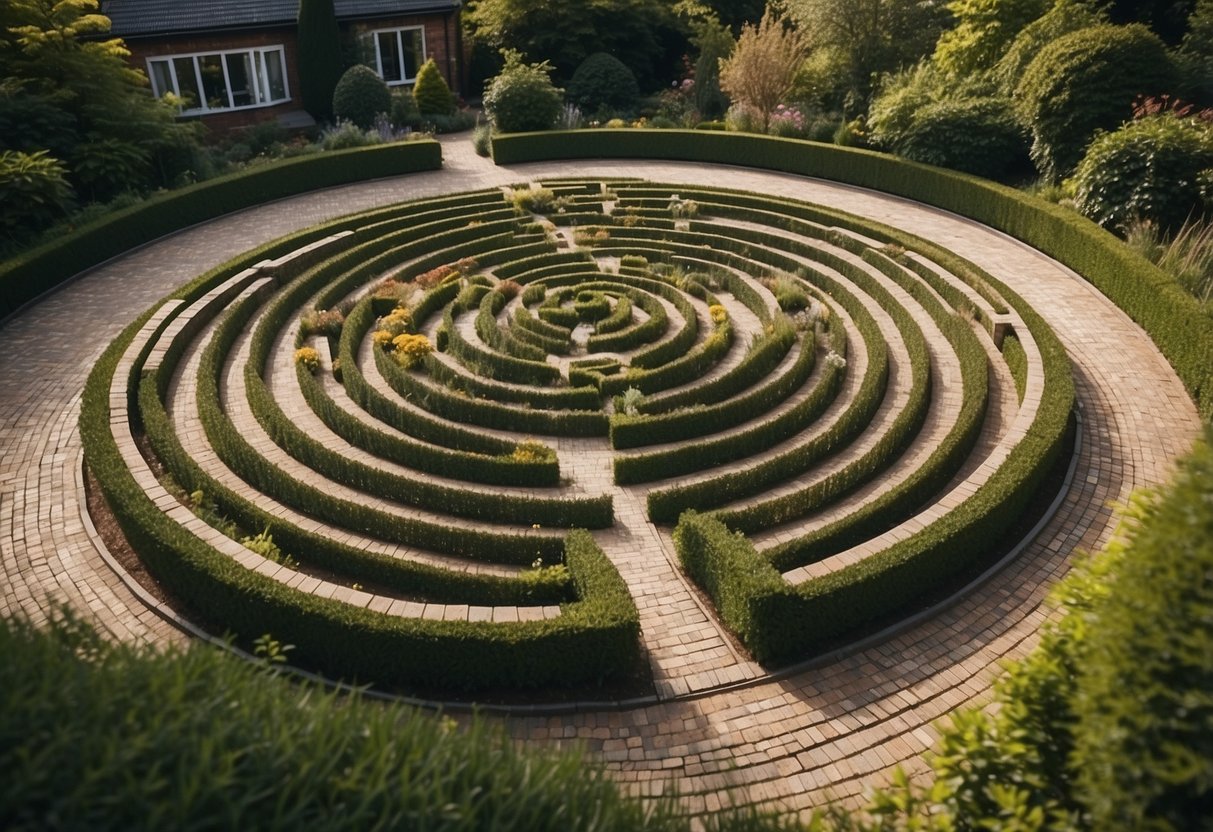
x=164, y=17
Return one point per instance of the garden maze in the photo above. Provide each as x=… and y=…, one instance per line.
x=576, y=431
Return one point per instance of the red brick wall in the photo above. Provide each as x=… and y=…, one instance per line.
x=440, y=44
x=440, y=33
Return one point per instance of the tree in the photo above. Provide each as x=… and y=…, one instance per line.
x=984, y=31
x=876, y=36
x=646, y=35
x=321, y=67
x=431, y=92
x=1087, y=81
x=360, y=96
x=522, y=97
x=715, y=43
x=762, y=69
x=68, y=90
x=603, y=80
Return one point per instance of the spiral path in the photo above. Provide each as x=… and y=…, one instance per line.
x=708, y=343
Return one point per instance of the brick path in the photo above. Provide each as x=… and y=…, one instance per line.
x=791, y=741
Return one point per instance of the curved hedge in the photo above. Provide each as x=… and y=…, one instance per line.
x=28, y=275
x=1146, y=293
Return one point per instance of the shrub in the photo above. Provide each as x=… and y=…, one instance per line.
x=431, y=92
x=319, y=39
x=345, y=135
x=404, y=113
x=1087, y=81
x=1147, y=170
x=482, y=140
x=410, y=349
x=307, y=358
x=974, y=135
x=360, y=96
x=603, y=80
x=33, y=192
x=522, y=97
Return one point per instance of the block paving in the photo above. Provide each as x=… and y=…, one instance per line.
x=719, y=729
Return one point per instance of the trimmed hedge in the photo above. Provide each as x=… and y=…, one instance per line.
x=1151, y=297
x=595, y=637
x=28, y=275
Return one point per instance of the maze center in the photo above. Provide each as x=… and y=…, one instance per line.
x=790, y=739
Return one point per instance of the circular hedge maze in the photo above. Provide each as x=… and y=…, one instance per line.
x=481, y=440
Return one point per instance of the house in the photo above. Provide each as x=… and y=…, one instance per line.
x=236, y=62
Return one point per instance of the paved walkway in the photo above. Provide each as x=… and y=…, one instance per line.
x=829, y=731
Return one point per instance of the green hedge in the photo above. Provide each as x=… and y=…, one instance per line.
x=1151, y=297
x=28, y=275
x=595, y=638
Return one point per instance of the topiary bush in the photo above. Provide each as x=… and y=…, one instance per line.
x=522, y=98
x=431, y=92
x=1150, y=169
x=974, y=135
x=603, y=80
x=1087, y=81
x=361, y=95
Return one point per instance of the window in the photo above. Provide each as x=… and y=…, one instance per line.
x=399, y=53
x=232, y=79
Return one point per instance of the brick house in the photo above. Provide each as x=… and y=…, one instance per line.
x=236, y=62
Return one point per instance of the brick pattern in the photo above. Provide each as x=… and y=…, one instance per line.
x=788, y=741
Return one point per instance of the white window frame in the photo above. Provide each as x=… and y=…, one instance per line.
x=398, y=31
x=258, y=86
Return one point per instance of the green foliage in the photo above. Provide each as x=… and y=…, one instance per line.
x=602, y=80
x=974, y=135
x=69, y=90
x=644, y=34
x=482, y=140
x=431, y=92
x=984, y=31
x=25, y=276
x=319, y=40
x=522, y=97
x=1195, y=54
x=1062, y=18
x=762, y=67
x=1143, y=697
x=1087, y=81
x=1188, y=255
x=33, y=193
x=715, y=43
x=1148, y=170
x=404, y=112
x=360, y=96
x=1108, y=723
x=104, y=735
x=871, y=37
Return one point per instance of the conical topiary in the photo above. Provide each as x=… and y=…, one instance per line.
x=432, y=94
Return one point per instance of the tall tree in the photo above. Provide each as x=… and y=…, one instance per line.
x=875, y=36
x=984, y=31
x=320, y=65
x=762, y=68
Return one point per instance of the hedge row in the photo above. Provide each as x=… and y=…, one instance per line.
x=690, y=366
x=688, y=423
x=492, y=364
x=502, y=339
x=1149, y=295
x=665, y=505
x=721, y=450
x=322, y=552
x=28, y=275
x=540, y=334
x=884, y=512
x=488, y=413
x=241, y=457
x=540, y=398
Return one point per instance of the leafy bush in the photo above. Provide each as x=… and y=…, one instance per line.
x=974, y=135
x=1148, y=170
x=360, y=96
x=33, y=193
x=431, y=92
x=603, y=80
x=522, y=97
x=1086, y=81
x=1064, y=17
x=482, y=140
x=404, y=112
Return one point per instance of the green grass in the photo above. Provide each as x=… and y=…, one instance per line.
x=95, y=735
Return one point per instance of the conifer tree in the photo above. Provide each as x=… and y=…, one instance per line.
x=320, y=65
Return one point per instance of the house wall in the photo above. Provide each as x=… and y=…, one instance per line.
x=440, y=44
x=142, y=49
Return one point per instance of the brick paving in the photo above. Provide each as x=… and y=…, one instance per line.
x=826, y=731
